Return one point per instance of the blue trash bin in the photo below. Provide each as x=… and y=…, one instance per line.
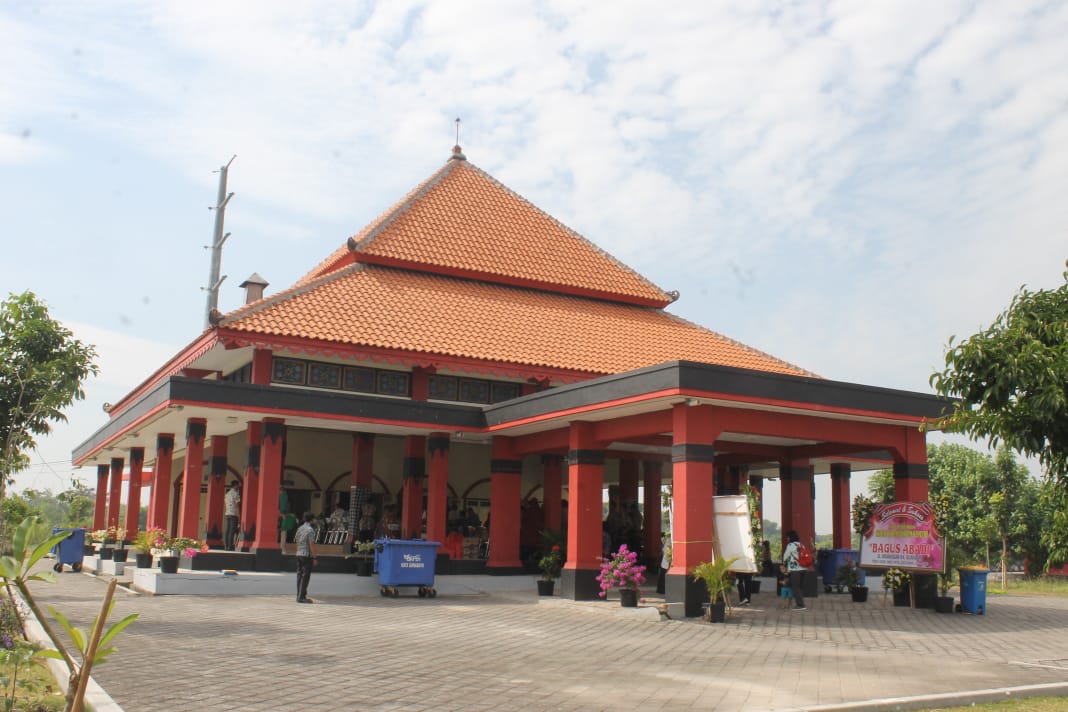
x=830, y=560
x=71, y=550
x=406, y=562
x=973, y=590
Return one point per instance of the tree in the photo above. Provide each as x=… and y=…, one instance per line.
x=881, y=486
x=42, y=367
x=968, y=478
x=1005, y=504
x=1012, y=379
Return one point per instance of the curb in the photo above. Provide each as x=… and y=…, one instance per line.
x=955, y=699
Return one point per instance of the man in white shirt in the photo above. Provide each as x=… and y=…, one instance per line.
x=232, y=515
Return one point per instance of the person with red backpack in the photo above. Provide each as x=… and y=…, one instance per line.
x=793, y=560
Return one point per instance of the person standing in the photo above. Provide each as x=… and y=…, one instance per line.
x=794, y=569
x=305, y=541
x=767, y=568
x=232, y=515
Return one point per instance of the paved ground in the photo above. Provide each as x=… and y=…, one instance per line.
x=507, y=651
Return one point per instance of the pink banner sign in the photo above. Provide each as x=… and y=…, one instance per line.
x=903, y=535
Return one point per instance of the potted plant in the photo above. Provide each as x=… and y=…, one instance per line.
x=169, y=549
x=756, y=531
x=119, y=538
x=943, y=602
x=550, y=566
x=103, y=538
x=849, y=577
x=622, y=571
x=143, y=544
x=716, y=576
x=364, y=553
x=898, y=581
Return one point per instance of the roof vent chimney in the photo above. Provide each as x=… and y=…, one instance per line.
x=254, y=287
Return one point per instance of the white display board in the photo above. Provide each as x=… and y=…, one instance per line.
x=730, y=521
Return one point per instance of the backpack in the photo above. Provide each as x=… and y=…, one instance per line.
x=804, y=555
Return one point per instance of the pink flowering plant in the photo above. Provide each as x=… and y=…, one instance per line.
x=621, y=570
x=167, y=545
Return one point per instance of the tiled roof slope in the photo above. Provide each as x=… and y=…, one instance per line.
x=463, y=222
x=425, y=314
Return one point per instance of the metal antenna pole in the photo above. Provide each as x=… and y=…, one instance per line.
x=217, y=240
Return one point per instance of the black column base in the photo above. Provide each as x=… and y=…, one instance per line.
x=926, y=589
x=680, y=588
x=504, y=570
x=580, y=584
x=269, y=560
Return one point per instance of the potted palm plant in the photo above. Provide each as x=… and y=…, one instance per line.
x=716, y=576
x=849, y=577
x=550, y=566
x=364, y=553
x=143, y=544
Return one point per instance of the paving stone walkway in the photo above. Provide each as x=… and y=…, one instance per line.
x=508, y=651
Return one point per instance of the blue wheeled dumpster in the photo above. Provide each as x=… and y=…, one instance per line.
x=830, y=560
x=71, y=550
x=973, y=590
x=406, y=562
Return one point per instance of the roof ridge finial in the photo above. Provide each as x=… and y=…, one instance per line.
x=457, y=152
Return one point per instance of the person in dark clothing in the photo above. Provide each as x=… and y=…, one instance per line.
x=305, y=541
x=767, y=567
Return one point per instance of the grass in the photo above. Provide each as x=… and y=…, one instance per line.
x=1029, y=704
x=41, y=693
x=1042, y=586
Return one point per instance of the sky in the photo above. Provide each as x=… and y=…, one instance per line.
x=844, y=185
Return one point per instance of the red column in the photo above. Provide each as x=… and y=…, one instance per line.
x=693, y=455
x=261, y=367
x=506, y=472
x=910, y=471
x=115, y=495
x=798, y=511
x=216, y=491
x=274, y=431
x=552, y=486
x=159, y=507
x=363, y=459
x=585, y=483
x=250, y=492
x=100, y=509
x=133, y=492
x=437, y=486
x=840, y=506
x=189, y=516
x=652, y=521
x=413, y=470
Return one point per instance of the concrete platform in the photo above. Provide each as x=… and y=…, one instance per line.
x=188, y=582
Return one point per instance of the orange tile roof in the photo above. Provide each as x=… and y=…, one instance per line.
x=425, y=314
x=463, y=222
